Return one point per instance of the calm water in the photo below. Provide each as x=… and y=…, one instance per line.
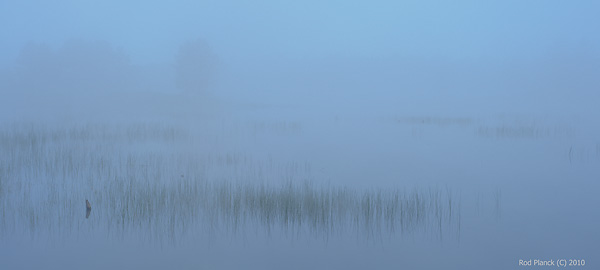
x=277, y=192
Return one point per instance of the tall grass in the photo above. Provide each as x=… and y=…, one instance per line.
x=142, y=185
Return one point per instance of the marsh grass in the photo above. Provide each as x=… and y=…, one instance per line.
x=277, y=128
x=434, y=121
x=583, y=154
x=524, y=128
x=142, y=186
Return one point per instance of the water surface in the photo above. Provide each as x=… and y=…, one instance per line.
x=356, y=192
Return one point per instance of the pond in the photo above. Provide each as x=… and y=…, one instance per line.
x=272, y=191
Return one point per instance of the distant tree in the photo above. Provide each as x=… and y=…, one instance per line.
x=195, y=66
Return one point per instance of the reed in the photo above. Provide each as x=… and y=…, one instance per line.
x=134, y=179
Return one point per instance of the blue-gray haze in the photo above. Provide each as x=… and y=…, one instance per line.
x=299, y=135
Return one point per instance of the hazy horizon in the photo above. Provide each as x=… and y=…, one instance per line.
x=508, y=55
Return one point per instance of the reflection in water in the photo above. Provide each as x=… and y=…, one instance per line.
x=223, y=208
x=434, y=120
x=326, y=211
x=583, y=153
x=497, y=202
x=156, y=194
x=525, y=129
x=88, y=209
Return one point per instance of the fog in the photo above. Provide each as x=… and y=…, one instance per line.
x=311, y=134
x=452, y=56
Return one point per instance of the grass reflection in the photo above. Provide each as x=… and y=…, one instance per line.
x=141, y=186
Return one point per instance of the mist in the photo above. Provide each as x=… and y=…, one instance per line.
x=419, y=54
x=299, y=135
